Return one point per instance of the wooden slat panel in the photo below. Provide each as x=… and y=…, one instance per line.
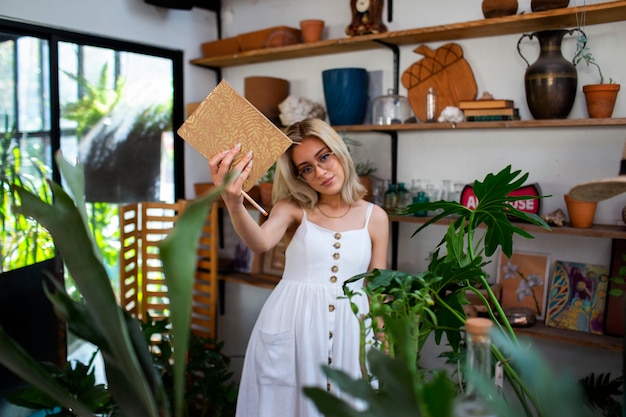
x=142, y=281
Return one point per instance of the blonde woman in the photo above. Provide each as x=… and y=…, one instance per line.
x=303, y=323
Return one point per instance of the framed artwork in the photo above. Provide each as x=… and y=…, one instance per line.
x=523, y=278
x=577, y=297
x=614, y=312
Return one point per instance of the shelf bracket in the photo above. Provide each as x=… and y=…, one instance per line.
x=396, y=64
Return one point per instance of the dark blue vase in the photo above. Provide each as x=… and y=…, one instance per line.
x=345, y=93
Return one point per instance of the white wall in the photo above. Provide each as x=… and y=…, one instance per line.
x=556, y=158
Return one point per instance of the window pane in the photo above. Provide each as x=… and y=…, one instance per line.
x=7, y=80
x=25, y=149
x=118, y=108
x=32, y=93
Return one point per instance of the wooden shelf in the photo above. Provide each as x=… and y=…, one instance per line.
x=540, y=331
x=529, y=22
x=512, y=124
x=597, y=230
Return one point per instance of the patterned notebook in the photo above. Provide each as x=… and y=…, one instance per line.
x=224, y=119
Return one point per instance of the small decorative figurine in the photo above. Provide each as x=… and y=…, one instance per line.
x=366, y=17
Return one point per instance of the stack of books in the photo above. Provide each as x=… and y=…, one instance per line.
x=489, y=110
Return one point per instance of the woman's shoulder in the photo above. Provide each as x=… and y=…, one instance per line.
x=288, y=208
x=378, y=213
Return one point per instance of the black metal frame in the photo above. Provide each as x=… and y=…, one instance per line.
x=54, y=36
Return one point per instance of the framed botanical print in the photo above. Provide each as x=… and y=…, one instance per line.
x=524, y=278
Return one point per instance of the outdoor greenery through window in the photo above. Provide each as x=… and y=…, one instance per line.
x=105, y=104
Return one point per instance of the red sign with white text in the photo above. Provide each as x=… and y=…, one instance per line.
x=469, y=200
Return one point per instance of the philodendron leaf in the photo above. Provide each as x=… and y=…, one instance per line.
x=14, y=358
x=75, y=244
x=494, y=209
x=179, y=257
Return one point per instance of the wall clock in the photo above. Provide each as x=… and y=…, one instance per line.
x=366, y=17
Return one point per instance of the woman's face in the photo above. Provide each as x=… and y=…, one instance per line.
x=318, y=166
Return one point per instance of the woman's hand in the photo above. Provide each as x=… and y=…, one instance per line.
x=220, y=166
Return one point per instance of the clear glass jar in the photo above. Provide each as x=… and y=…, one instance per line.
x=390, y=109
x=478, y=363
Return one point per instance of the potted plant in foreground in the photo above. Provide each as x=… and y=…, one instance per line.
x=135, y=386
x=601, y=97
x=416, y=306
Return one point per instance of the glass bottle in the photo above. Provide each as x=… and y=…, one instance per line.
x=431, y=105
x=421, y=197
x=391, y=198
x=404, y=197
x=478, y=364
x=416, y=187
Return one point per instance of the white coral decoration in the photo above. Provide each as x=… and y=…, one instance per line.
x=451, y=114
x=294, y=109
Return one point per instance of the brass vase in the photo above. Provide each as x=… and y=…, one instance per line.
x=550, y=81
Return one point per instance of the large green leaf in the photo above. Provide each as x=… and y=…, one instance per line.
x=74, y=243
x=14, y=358
x=178, y=255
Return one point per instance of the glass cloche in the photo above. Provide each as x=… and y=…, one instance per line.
x=391, y=109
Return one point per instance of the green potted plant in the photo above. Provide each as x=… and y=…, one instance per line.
x=23, y=242
x=133, y=382
x=601, y=97
x=408, y=308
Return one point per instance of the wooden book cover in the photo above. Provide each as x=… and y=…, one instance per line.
x=492, y=112
x=485, y=104
x=225, y=118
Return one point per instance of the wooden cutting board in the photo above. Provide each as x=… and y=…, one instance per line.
x=446, y=71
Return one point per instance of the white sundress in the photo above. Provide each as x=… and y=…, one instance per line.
x=303, y=325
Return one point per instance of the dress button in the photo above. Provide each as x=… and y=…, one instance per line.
x=331, y=308
x=333, y=279
x=336, y=256
x=330, y=360
x=337, y=235
x=335, y=268
x=337, y=245
x=328, y=387
x=330, y=335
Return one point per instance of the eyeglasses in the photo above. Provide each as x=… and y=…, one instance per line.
x=324, y=161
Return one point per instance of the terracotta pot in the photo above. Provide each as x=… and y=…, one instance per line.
x=265, y=189
x=202, y=187
x=266, y=93
x=542, y=5
x=366, y=180
x=312, y=30
x=600, y=99
x=581, y=213
x=499, y=8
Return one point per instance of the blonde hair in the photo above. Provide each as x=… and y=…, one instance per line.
x=287, y=185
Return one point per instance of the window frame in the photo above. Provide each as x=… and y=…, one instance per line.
x=53, y=36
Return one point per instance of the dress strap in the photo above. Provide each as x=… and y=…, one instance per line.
x=368, y=214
